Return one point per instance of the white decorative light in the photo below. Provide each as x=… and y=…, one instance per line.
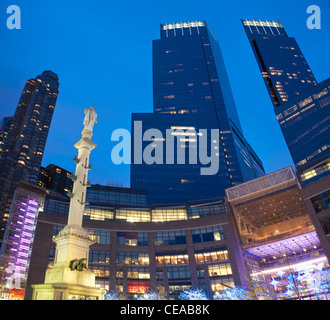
x=180, y=25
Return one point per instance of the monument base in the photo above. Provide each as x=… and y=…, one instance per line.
x=66, y=291
x=63, y=281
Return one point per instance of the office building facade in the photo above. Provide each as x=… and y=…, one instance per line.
x=24, y=146
x=191, y=92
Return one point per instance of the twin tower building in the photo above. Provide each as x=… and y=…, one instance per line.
x=191, y=91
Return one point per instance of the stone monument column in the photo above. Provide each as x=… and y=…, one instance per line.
x=69, y=277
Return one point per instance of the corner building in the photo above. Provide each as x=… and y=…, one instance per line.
x=191, y=90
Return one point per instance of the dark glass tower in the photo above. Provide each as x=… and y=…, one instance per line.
x=24, y=146
x=283, y=66
x=305, y=124
x=191, y=91
x=300, y=103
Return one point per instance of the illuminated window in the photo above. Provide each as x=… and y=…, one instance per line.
x=133, y=215
x=101, y=214
x=187, y=181
x=100, y=271
x=211, y=256
x=138, y=273
x=176, y=289
x=222, y=284
x=319, y=95
x=172, y=259
x=222, y=269
x=168, y=214
x=134, y=258
x=182, y=128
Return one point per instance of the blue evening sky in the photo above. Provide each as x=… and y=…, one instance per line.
x=101, y=51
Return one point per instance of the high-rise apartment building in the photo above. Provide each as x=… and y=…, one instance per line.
x=191, y=92
x=24, y=146
x=55, y=178
x=301, y=104
x=4, y=128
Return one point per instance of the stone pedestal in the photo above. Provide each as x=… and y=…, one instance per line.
x=65, y=291
x=63, y=283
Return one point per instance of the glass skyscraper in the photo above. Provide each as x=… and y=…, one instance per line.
x=300, y=103
x=191, y=92
x=305, y=123
x=25, y=142
x=283, y=66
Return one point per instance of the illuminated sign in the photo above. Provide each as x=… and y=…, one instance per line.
x=138, y=287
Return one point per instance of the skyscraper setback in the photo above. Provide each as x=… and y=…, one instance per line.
x=24, y=145
x=301, y=104
x=191, y=91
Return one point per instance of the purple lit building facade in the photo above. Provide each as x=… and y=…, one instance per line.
x=16, y=249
